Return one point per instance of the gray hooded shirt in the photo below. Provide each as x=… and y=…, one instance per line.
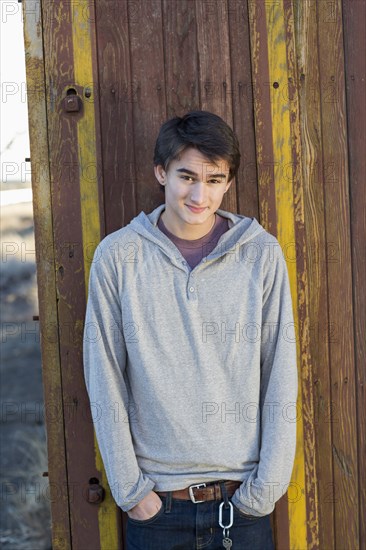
x=191, y=373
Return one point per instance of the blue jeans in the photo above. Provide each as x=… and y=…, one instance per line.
x=183, y=525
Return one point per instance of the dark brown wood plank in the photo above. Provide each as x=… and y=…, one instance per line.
x=354, y=29
x=262, y=116
x=339, y=275
x=117, y=96
x=180, y=47
x=149, y=110
x=214, y=69
x=242, y=103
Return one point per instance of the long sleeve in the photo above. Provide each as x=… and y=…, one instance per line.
x=104, y=356
x=278, y=395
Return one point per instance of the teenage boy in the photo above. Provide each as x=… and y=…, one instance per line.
x=190, y=356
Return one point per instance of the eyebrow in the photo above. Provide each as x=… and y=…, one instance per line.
x=186, y=171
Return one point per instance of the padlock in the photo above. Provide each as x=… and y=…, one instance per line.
x=72, y=103
x=96, y=493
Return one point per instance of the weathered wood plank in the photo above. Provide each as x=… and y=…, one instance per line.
x=117, y=97
x=262, y=116
x=91, y=210
x=354, y=28
x=76, y=212
x=339, y=275
x=306, y=398
x=43, y=226
x=281, y=205
x=180, y=45
x=149, y=111
x=215, y=76
x=241, y=91
x=285, y=151
x=67, y=235
x=316, y=257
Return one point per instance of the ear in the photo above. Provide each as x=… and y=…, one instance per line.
x=160, y=174
x=228, y=185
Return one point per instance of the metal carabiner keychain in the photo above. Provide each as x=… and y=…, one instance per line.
x=226, y=541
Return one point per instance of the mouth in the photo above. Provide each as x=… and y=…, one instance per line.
x=195, y=209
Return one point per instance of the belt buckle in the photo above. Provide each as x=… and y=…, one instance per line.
x=190, y=490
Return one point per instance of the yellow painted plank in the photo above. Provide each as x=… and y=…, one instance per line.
x=90, y=219
x=86, y=131
x=282, y=157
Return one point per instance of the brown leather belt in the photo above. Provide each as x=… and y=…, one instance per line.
x=203, y=491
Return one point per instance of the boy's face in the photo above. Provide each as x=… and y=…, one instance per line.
x=194, y=189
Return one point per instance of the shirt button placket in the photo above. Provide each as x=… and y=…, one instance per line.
x=191, y=290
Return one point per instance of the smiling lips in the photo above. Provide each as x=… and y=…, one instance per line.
x=194, y=209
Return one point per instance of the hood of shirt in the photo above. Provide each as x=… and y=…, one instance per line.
x=241, y=230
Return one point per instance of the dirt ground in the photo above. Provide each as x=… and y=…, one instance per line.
x=25, y=521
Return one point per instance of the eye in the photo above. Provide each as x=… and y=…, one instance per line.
x=213, y=180
x=187, y=178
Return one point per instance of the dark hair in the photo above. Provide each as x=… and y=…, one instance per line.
x=202, y=130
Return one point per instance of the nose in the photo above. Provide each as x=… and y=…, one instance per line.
x=199, y=193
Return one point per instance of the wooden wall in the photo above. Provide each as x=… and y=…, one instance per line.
x=330, y=40
x=289, y=76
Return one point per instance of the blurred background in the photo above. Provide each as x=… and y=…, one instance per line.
x=25, y=521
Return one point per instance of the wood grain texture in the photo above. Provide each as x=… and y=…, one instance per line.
x=264, y=175
x=117, y=95
x=180, y=59
x=262, y=116
x=241, y=91
x=305, y=464
x=212, y=22
x=354, y=18
x=91, y=208
x=339, y=275
x=46, y=280
x=71, y=157
x=149, y=111
x=289, y=206
x=316, y=257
